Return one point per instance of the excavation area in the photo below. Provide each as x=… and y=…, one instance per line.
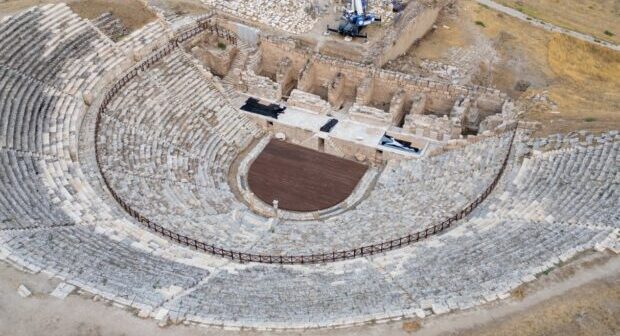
x=301, y=179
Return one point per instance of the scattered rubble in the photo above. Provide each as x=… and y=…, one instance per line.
x=292, y=16
x=23, y=291
x=62, y=290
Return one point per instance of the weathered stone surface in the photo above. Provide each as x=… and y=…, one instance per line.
x=62, y=290
x=308, y=102
x=23, y=291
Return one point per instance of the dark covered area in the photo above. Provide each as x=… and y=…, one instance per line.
x=254, y=106
x=302, y=179
x=402, y=145
x=329, y=125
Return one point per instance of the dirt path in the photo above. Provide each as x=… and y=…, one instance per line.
x=545, y=25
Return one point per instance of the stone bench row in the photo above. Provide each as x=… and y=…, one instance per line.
x=577, y=186
x=421, y=203
x=25, y=202
x=36, y=117
x=184, y=109
x=57, y=47
x=478, y=263
x=143, y=41
x=102, y=266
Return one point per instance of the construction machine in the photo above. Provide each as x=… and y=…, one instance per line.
x=354, y=19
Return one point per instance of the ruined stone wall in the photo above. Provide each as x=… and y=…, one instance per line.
x=286, y=76
x=354, y=52
x=274, y=50
x=397, y=107
x=326, y=70
x=326, y=67
x=370, y=115
x=431, y=126
x=411, y=25
x=309, y=102
x=296, y=135
x=350, y=150
x=340, y=81
x=262, y=87
x=217, y=60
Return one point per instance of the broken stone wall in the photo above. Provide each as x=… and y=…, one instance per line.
x=309, y=102
x=296, y=135
x=431, y=126
x=342, y=81
x=370, y=115
x=217, y=59
x=350, y=150
x=409, y=26
x=286, y=76
x=262, y=87
x=397, y=107
x=273, y=50
x=336, y=90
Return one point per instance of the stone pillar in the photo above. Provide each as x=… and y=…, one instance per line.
x=335, y=90
x=418, y=104
x=397, y=107
x=284, y=75
x=364, y=91
x=276, y=204
x=306, y=78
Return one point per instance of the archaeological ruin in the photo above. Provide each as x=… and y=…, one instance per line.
x=235, y=169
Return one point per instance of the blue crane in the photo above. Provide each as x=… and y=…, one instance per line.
x=354, y=19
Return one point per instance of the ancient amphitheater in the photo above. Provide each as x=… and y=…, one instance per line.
x=129, y=171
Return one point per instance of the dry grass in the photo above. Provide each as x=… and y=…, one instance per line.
x=444, y=37
x=592, y=17
x=518, y=293
x=582, y=79
x=412, y=326
x=592, y=309
x=133, y=13
x=584, y=62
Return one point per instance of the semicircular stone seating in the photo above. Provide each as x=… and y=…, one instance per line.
x=159, y=159
x=166, y=144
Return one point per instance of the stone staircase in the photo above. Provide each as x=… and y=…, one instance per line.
x=233, y=78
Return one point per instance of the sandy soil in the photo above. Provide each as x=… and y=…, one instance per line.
x=581, y=298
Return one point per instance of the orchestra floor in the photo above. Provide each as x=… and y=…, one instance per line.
x=302, y=179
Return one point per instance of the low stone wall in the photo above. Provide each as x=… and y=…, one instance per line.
x=309, y=102
x=370, y=115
